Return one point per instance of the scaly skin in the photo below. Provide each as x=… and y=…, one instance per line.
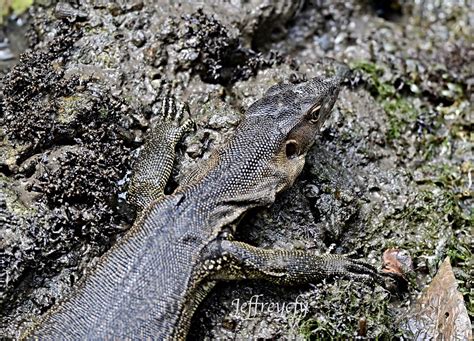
x=151, y=281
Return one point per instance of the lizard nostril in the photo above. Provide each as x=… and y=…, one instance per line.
x=291, y=149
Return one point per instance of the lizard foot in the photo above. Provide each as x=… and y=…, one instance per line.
x=155, y=161
x=289, y=266
x=175, y=114
x=352, y=269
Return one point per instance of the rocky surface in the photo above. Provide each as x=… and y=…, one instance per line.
x=392, y=168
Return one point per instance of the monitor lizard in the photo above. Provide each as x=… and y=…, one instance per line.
x=150, y=282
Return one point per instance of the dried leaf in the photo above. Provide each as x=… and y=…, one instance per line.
x=440, y=312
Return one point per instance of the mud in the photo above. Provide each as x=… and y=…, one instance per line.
x=392, y=167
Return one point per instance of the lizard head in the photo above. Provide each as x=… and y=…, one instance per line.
x=267, y=151
x=297, y=111
x=285, y=122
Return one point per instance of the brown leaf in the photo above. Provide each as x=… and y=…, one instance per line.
x=440, y=312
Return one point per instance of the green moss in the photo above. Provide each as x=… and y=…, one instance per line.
x=451, y=177
x=67, y=109
x=16, y=6
x=103, y=113
x=433, y=226
x=20, y=6
x=338, y=309
x=377, y=87
x=460, y=253
x=401, y=113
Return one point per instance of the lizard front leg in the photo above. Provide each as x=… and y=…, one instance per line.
x=233, y=260
x=155, y=162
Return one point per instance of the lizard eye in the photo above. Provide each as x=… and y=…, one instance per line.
x=313, y=114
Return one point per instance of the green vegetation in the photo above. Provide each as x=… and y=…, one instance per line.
x=401, y=112
x=436, y=221
x=16, y=7
x=349, y=308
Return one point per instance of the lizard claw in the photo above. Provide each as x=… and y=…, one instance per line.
x=171, y=113
x=357, y=270
x=187, y=126
x=168, y=108
x=182, y=111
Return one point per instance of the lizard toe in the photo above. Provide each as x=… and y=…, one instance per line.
x=168, y=108
x=187, y=126
x=362, y=271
